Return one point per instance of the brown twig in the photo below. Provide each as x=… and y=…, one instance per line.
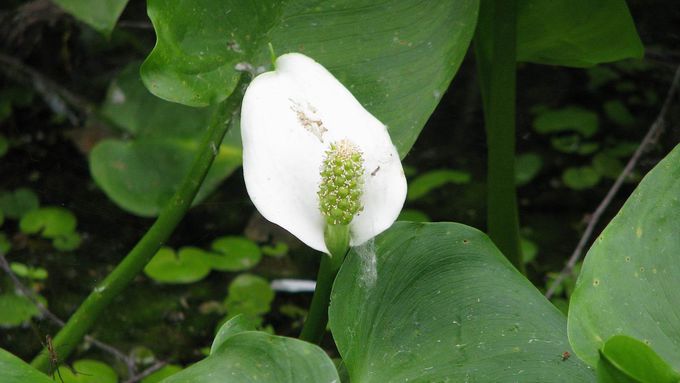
x=150, y=370
x=28, y=293
x=652, y=135
x=57, y=97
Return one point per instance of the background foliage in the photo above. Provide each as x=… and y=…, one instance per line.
x=79, y=132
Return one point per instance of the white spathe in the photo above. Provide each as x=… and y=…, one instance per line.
x=289, y=118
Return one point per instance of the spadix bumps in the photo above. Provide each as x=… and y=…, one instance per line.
x=313, y=156
x=341, y=182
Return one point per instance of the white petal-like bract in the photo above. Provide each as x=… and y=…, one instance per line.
x=289, y=118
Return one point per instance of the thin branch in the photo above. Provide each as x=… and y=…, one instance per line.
x=652, y=135
x=150, y=370
x=28, y=293
x=135, y=24
x=57, y=97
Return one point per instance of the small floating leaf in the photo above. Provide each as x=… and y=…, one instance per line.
x=234, y=254
x=249, y=295
x=17, y=203
x=527, y=166
x=424, y=183
x=569, y=119
x=29, y=272
x=51, y=222
x=189, y=265
x=88, y=371
x=580, y=178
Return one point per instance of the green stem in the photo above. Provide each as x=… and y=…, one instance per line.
x=135, y=261
x=495, y=49
x=315, y=324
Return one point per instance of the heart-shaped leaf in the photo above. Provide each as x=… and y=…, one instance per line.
x=188, y=265
x=438, y=302
x=253, y=356
x=52, y=222
x=575, y=33
x=101, y=15
x=15, y=370
x=629, y=281
x=396, y=57
x=140, y=174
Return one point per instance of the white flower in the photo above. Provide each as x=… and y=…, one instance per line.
x=289, y=119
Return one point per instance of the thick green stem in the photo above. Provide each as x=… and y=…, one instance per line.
x=495, y=48
x=316, y=321
x=133, y=263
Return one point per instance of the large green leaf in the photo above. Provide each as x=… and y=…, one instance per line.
x=101, y=15
x=15, y=370
x=575, y=33
x=438, y=302
x=253, y=356
x=396, y=57
x=629, y=280
x=142, y=172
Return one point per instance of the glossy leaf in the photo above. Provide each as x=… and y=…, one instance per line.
x=188, y=265
x=575, y=33
x=15, y=370
x=608, y=373
x=101, y=15
x=628, y=283
x=437, y=302
x=384, y=53
x=637, y=360
x=233, y=326
x=142, y=172
x=234, y=254
x=253, y=356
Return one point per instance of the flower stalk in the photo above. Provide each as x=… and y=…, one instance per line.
x=134, y=262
